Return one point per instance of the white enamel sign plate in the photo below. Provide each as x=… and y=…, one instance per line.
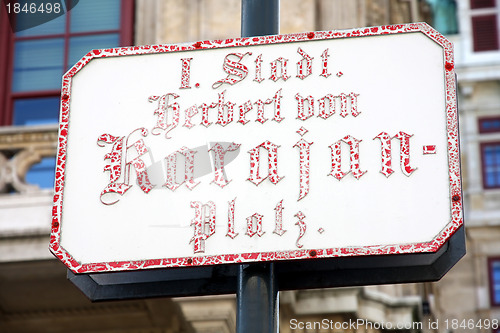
x=313, y=145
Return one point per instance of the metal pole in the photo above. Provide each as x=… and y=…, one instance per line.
x=260, y=17
x=257, y=299
x=257, y=294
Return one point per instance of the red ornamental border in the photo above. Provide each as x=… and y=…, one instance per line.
x=453, y=156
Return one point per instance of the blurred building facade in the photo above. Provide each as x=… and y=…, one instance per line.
x=34, y=293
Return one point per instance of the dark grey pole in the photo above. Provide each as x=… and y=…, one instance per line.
x=260, y=17
x=257, y=299
x=257, y=293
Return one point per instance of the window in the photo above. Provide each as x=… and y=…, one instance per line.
x=484, y=24
x=494, y=273
x=489, y=125
x=490, y=153
x=476, y=4
x=36, y=58
x=484, y=32
x=444, y=16
x=39, y=56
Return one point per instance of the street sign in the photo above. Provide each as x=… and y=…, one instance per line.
x=304, y=146
x=289, y=275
